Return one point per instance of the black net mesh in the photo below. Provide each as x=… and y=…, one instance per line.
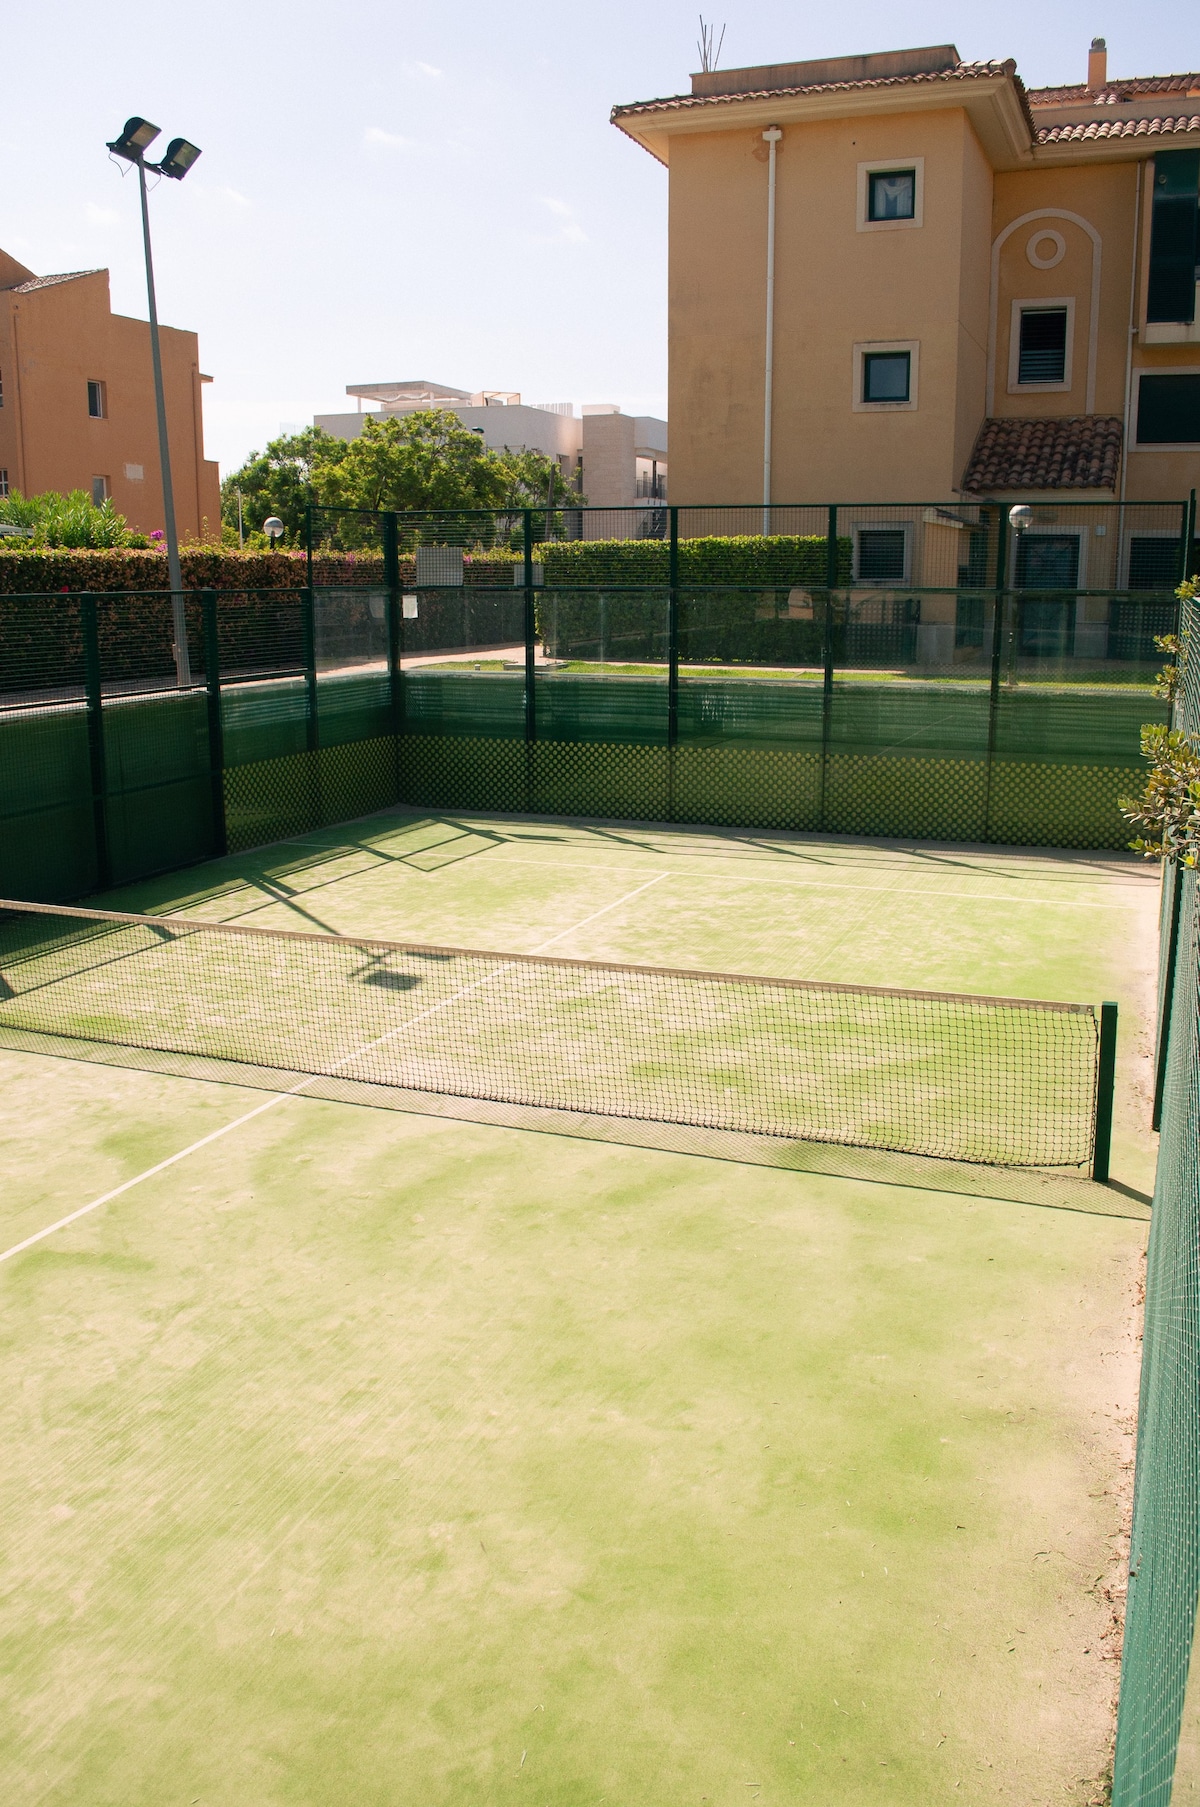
x=979, y=1079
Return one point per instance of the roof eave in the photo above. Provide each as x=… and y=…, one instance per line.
x=993, y=103
x=1133, y=149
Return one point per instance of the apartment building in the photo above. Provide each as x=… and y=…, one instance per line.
x=77, y=402
x=902, y=277
x=617, y=460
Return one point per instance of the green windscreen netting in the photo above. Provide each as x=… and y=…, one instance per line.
x=1164, y=1567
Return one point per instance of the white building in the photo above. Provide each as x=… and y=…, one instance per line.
x=617, y=460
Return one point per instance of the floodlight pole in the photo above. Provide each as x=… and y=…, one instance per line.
x=183, y=669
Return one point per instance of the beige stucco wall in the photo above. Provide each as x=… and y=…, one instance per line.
x=835, y=287
x=933, y=284
x=53, y=341
x=609, y=466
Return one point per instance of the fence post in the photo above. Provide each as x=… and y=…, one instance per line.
x=216, y=737
x=92, y=682
x=530, y=670
x=1106, y=1078
x=1191, y=562
x=831, y=577
x=1162, y=1045
x=994, y=682
x=672, y=654
x=391, y=578
x=312, y=737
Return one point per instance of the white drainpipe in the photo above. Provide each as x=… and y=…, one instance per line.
x=771, y=138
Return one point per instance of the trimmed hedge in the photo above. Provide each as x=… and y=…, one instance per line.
x=734, y=596
x=751, y=559
x=49, y=569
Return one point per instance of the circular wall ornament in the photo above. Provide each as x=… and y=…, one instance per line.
x=1046, y=248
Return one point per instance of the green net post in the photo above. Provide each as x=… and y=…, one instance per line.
x=1185, y=537
x=93, y=688
x=1106, y=1078
x=1191, y=563
x=216, y=743
x=1163, y=1045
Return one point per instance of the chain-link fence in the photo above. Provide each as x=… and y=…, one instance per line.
x=1164, y=1564
x=696, y=670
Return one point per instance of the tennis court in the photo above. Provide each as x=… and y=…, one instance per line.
x=433, y=1454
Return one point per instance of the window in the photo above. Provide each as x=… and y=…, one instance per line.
x=1174, y=237
x=1042, y=345
x=1047, y=561
x=1154, y=560
x=1, y=388
x=101, y=491
x=1169, y=408
x=3, y=481
x=891, y=194
x=880, y=555
x=886, y=376
x=97, y=401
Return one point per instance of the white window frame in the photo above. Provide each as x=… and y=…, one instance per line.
x=1082, y=534
x=873, y=583
x=1039, y=304
x=913, y=348
x=101, y=387
x=1141, y=533
x=107, y=496
x=879, y=168
x=1160, y=445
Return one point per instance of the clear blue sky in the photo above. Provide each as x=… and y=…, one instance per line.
x=395, y=190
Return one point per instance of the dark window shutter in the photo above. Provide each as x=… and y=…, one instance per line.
x=1169, y=410
x=1174, y=231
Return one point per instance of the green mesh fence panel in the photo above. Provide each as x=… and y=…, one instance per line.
x=47, y=849
x=464, y=772
x=754, y=787
x=1164, y=1566
x=747, y=694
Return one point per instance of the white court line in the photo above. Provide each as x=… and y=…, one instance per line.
x=170, y=1161
x=604, y=912
x=292, y=1091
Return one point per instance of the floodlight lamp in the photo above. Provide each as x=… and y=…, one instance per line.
x=135, y=137
x=179, y=159
x=1020, y=517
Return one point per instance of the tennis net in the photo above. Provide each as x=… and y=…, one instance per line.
x=998, y=1080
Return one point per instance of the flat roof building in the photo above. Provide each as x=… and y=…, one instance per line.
x=617, y=460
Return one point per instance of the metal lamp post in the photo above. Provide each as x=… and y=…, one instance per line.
x=136, y=136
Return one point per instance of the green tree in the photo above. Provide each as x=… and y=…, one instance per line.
x=424, y=460
x=536, y=480
x=280, y=481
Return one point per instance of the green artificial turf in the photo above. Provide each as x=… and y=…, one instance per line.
x=371, y=1457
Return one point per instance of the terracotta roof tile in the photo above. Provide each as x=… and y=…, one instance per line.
x=48, y=282
x=1075, y=451
x=1094, y=129
x=1118, y=90
x=684, y=102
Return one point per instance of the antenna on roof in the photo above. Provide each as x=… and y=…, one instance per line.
x=704, y=44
